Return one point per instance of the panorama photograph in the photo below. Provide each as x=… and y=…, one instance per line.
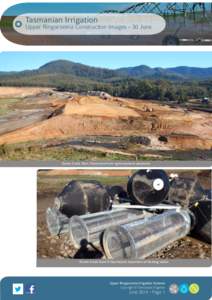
x=80, y=106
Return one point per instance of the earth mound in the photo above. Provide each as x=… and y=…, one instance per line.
x=78, y=116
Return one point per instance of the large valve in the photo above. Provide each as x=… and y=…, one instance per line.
x=148, y=187
x=81, y=197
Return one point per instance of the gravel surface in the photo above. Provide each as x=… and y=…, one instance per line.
x=60, y=247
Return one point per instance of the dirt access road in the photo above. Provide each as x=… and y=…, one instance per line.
x=25, y=107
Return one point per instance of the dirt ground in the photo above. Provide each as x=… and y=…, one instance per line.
x=20, y=92
x=51, y=182
x=59, y=118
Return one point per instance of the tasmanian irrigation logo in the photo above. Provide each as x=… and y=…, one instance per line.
x=184, y=288
x=194, y=288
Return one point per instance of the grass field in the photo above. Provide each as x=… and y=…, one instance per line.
x=54, y=184
x=26, y=151
x=38, y=151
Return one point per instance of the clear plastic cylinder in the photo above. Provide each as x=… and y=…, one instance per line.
x=141, y=238
x=57, y=223
x=90, y=227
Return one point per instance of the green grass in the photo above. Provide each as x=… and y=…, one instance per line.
x=57, y=183
x=6, y=22
x=50, y=186
x=27, y=151
x=36, y=151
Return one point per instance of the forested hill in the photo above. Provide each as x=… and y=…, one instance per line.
x=141, y=81
x=94, y=73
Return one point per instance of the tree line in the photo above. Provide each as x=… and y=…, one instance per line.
x=161, y=90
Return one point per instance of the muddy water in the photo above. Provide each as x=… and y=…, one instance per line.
x=31, y=109
x=110, y=142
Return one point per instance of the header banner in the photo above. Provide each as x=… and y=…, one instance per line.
x=108, y=23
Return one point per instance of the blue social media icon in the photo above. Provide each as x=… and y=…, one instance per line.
x=30, y=289
x=18, y=289
x=184, y=288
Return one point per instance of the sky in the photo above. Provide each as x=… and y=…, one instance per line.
x=18, y=61
x=64, y=7
x=61, y=7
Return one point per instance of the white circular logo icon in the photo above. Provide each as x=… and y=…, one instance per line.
x=173, y=289
x=158, y=184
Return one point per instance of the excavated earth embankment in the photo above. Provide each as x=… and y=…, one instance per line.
x=166, y=127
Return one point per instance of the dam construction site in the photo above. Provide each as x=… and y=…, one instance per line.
x=48, y=124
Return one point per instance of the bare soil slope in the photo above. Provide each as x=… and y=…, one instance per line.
x=92, y=116
x=19, y=92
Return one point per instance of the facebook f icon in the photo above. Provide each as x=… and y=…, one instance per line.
x=30, y=289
